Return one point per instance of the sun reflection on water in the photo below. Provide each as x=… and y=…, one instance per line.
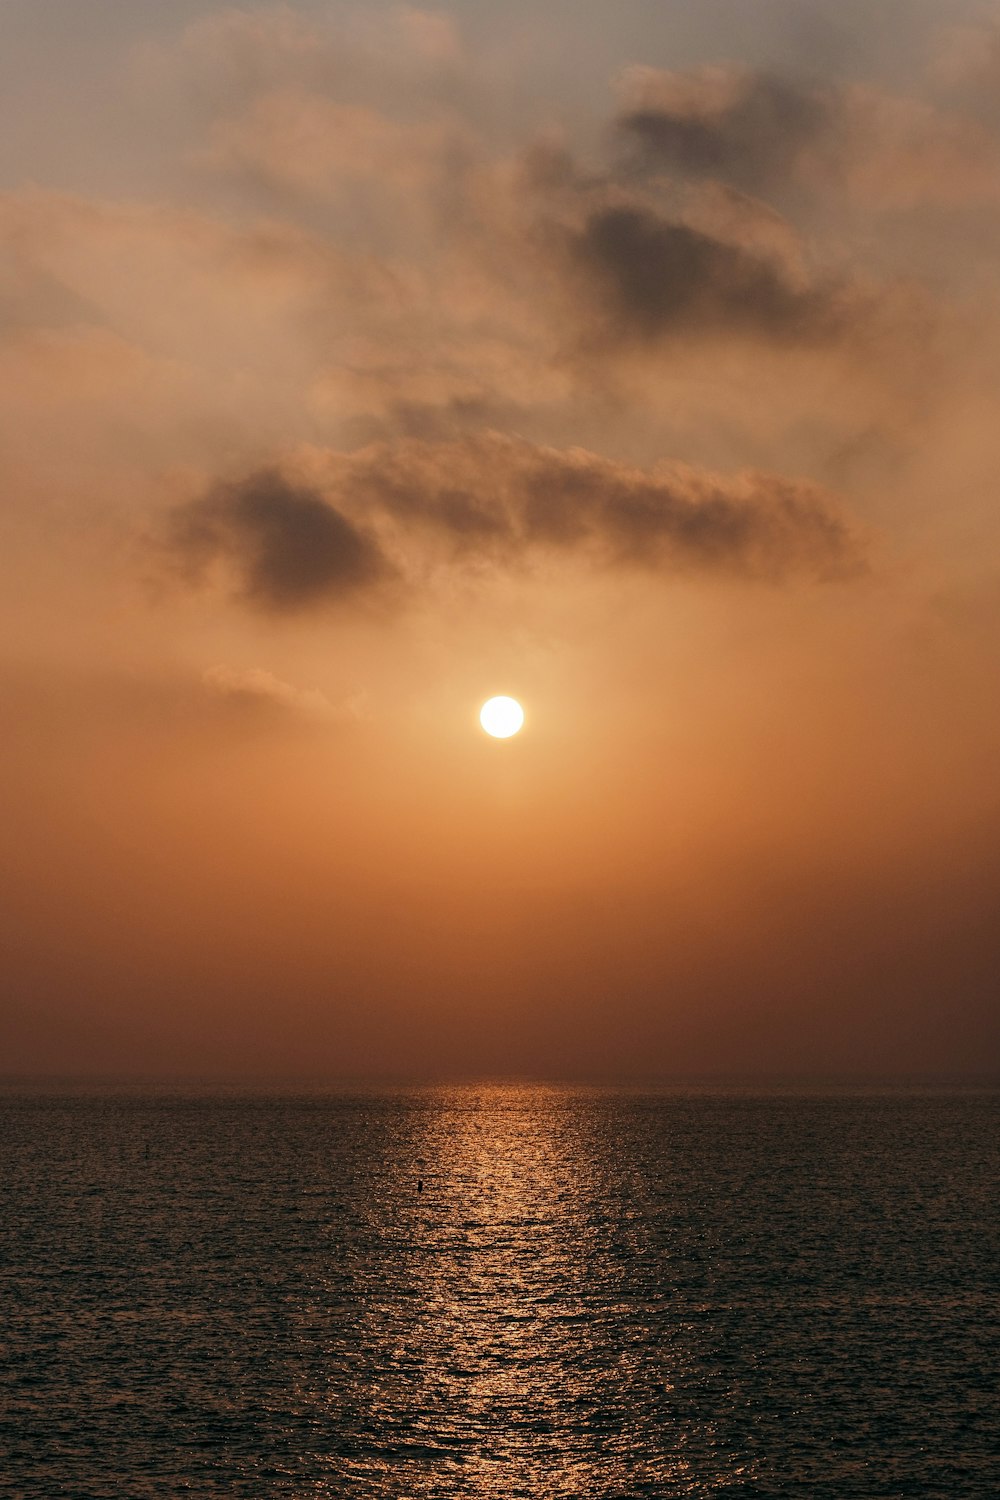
x=522, y=1364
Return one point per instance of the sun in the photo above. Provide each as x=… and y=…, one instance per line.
x=501, y=717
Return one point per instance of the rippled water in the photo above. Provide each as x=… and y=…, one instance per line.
x=594, y=1294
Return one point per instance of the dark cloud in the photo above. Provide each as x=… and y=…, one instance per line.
x=287, y=547
x=744, y=127
x=794, y=140
x=505, y=502
x=505, y=498
x=654, y=276
x=758, y=525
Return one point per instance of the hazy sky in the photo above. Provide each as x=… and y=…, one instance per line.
x=640, y=360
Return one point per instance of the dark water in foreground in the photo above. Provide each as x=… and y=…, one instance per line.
x=595, y=1295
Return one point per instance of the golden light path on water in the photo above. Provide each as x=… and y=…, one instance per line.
x=519, y=1366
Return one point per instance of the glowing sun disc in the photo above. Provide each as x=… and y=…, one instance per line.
x=501, y=717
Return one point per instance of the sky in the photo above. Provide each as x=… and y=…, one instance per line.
x=638, y=360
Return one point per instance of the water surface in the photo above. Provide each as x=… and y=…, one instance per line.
x=595, y=1294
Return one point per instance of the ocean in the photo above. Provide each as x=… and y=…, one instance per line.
x=500, y=1291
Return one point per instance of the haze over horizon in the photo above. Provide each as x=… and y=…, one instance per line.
x=361, y=362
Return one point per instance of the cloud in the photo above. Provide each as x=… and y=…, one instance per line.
x=285, y=545
x=307, y=145
x=236, y=53
x=430, y=34
x=506, y=499
x=763, y=133
x=656, y=276
x=498, y=501
x=733, y=123
x=966, y=60
x=255, y=688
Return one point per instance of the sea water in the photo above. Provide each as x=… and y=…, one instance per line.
x=499, y=1291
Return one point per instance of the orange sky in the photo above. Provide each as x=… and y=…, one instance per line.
x=360, y=362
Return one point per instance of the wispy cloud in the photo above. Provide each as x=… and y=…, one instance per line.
x=255, y=688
